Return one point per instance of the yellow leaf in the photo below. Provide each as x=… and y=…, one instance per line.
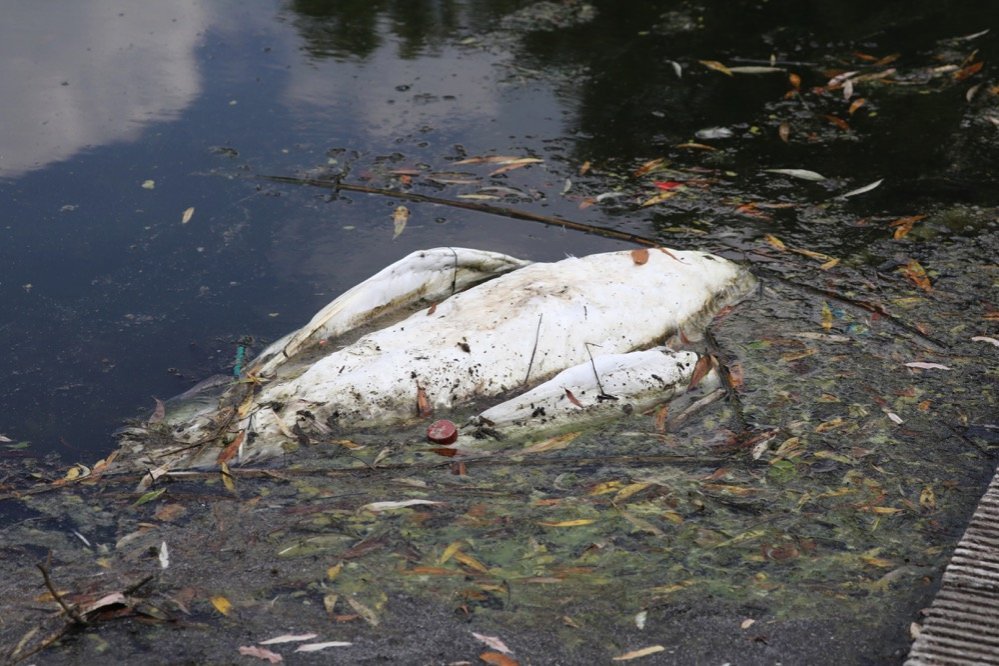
x=227, y=481
x=552, y=443
x=716, y=66
x=334, y=571
x=222, y=605
x=830, y=424
x=657, y=199
x=568, y=523
x=776, y=242
x=885, y=510
x=928, y=499
x=827, y=317
x=673, y=517
x=605, y=487
x=449, y=552
x=630, y=490
x=876, y=561
x=470, y=562
x=635, y=654
x=829, y=264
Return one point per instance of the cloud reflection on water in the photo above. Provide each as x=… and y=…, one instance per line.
x=90, y=73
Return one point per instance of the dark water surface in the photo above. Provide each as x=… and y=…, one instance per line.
x=118, y=117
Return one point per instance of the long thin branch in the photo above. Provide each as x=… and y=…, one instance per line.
x=70, y=611
x=477, y=206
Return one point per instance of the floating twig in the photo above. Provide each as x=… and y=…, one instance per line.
x=491, y=209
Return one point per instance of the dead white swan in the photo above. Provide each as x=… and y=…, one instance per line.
x=577, y=337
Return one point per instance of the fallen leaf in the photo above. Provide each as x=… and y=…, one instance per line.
x=716, y=66
x=658, y=198
x=572, y=398
x=498, y=659
x=695, y=146
x=755, y=69
x=399, y=218
x=401, y=504
x=904, y=225
x=316, y=647
x=926, y=366
x=838, y=122
x=366, y=613
x=221, y=604
x=635, y=654
x=148, y=184
x=982, y=338
x=965, y=72
x=647, y=167
x=917, y=275
x=552, y=443
x=470, y=562
x=784, y=132
x=802, y=174
x=494, y=642
x=149, y=497
x=827, y=317
x=701, y=369
x=794, y=80
x=229, y=452
x=164, y=555
x=662, y=414
x=568, y=523
x=226, y=475
x=774, y=241
x=260, y=653
x=861, y=190
x=928, y=499
x=423, y=406
x=288, y=638
x=640, y=256
x=188, y=214
x=895, y=418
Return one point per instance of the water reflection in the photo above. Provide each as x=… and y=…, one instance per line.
x=93, y=72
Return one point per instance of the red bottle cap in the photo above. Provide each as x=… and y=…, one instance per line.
x=442, y=432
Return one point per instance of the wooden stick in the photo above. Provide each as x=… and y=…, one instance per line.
x=479, y=207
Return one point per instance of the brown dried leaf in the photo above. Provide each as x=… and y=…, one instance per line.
x=423, y=406
x=904, y=225
x=838, y=122
x=856, y=104
x=498, y=659
x=640, y=256
x=701, y=369
x=662, y=415
x=784, y=132
x=260, y=653
x=917, y=275
x=229, y=452
x=650, y=166
x=572, y=398
x=970, y=70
